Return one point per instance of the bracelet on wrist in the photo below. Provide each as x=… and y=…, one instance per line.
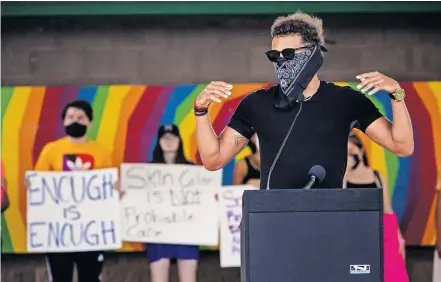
x=199, y=111
x=196, y=106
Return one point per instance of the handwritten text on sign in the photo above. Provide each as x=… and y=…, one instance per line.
x=172, y=204
x=230, y=201
x=73, y=211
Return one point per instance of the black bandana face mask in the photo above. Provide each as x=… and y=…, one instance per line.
x=294, y=75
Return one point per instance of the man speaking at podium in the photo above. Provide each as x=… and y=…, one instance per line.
x=302, y=121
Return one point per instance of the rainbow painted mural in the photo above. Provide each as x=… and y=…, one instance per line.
x=126, y=118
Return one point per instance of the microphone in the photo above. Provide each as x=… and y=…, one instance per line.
x=300, y=98
x=316, y=174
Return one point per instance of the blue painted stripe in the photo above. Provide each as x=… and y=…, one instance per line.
x=87, y=93
x=402, y=183
x=383, y=98
x=178, y=96
x=227, y=173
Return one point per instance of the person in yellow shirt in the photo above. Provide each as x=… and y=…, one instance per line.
x=72, y=153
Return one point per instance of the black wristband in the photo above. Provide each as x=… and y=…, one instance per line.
x=200, y=112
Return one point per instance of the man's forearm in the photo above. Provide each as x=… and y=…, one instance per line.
x=402, y=132
x=207, y=140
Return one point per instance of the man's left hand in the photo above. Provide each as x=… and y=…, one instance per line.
x=375, y=81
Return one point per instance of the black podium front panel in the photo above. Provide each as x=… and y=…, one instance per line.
x=312, y=236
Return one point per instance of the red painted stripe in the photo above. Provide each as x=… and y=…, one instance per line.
x=423, y=173
x=49, y=118
x=222, y=119
x=137, y=121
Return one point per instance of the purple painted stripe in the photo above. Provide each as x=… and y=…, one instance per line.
x=69, y=94
x=151, y=126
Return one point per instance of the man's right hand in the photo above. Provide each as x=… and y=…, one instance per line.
x=214, y=92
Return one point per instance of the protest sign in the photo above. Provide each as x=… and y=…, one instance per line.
x=173, y=204
x=230, y=201
x=73, y=211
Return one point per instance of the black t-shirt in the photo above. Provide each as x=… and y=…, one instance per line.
x=319, y=136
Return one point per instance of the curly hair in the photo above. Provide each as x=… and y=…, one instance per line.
x=310, y=28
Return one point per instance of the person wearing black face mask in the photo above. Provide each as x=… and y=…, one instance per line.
x=72, y=153
x=302, y=121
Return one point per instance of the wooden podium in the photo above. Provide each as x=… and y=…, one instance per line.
x=314, y=235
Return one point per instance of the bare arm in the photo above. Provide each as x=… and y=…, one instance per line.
x=396, y=137
x=240, y=170
x=216, y=151
x=349, y=164
x=344, y=181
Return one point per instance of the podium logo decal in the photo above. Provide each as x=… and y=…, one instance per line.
x=360, y=269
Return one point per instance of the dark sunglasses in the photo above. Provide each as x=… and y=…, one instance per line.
x=289, y=53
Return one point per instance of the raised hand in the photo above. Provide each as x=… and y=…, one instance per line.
x=214, y=92
x=376, y=82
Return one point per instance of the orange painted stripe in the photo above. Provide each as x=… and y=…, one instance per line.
x=129, y=104
x=429, y=236
x=27, y=133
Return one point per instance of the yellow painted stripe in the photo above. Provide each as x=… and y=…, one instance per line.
x=12, y=122
x=244, y=153
x=188, y=122
x=111, y=114
x=436, y=89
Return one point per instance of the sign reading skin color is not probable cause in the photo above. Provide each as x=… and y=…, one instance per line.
x=170, y=204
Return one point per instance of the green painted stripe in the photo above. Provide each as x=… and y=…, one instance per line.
x=98, y=108
x=7, y=246
x=6, y=98
x=187, y=105
x=211, y=7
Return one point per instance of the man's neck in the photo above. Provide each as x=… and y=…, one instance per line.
x=169, y=157
x=80, y=140
x=312, y=87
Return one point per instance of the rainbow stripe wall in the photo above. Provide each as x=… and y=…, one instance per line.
x=127, y=117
